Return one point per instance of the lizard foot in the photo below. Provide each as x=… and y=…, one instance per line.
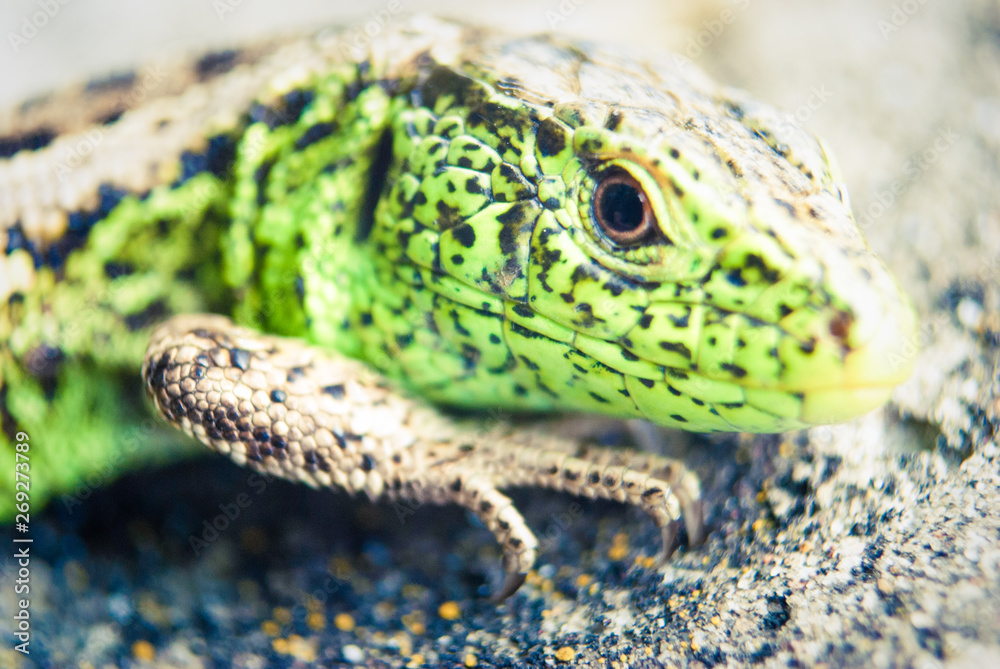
x=298, y=412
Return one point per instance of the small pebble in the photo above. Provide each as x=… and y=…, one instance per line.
x=565, y=654
x=353, y=654
x=449, y=611
x=143, y=650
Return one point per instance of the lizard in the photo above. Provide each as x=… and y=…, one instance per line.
x=316, y=253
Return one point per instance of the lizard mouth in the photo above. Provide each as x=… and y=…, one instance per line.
x=869, y=374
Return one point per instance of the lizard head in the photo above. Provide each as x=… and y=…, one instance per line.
x=646, y=243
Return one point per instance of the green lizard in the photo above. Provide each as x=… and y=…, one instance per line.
x=469, y=219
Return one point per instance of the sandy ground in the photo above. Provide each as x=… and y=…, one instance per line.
x=871, y=543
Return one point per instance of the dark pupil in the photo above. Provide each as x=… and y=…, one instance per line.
x=621, y=208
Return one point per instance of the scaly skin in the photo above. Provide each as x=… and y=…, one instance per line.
x=430, y=208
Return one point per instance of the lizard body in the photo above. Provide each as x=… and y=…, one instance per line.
x=484, y=222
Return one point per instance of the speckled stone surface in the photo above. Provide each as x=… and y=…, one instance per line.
x=873, y=543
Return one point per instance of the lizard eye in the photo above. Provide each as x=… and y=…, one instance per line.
x=622, y=209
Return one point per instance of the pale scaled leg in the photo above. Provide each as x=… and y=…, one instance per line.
x=301, y=413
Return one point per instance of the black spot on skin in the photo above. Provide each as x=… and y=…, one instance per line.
x=697, y=402
x=472, y=186
x=529, y=363
x=335, y=391
x=32, y=141
x=645, y=321
x=735, y=370
x=677, y=348
x=314, y=134
x=110, y=117
x=675, y=154
x=404, y=340
x=155, y=311
x=787, y=205
x=113, y=270
x=808, y=347
x=219, y=155
x=735, y=277
x=551, y=138
x=278, y=395
x=597, y=397
x=260, y=176
x=43, y=361
x=784, y=310
x=651, y=492
x=649, y=383
x=524, y=311
x=679, y=418
x=216, y=63
x=593, y=478
x=465, y=235
x=117, y=81
x=456, y=485
x=712, y=341
x=457, y=259
x=494, y=339
x=295, y=103
x=367, y=464
x=570, y=475
x=673, y=391
x=613, y=120
x=681, y=321
x=755, y=261
x=16, y=240
x=378, y=179
x=240, y=358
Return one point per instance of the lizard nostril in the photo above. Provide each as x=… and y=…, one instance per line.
x=840, y=326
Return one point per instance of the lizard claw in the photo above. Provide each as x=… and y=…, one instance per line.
x=511, y=583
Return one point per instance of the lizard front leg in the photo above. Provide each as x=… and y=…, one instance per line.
x=295, y=411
